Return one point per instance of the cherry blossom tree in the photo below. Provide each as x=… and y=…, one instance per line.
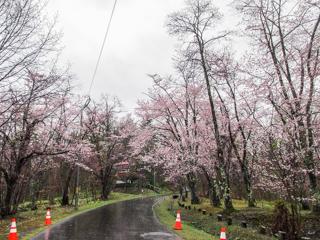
x=194, y=25
x=238, y=110
x=109, y=137
x=170, y=118
x=285, y=43
x=30, y=129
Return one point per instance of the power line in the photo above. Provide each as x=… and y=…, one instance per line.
x=89, y=93
x=102, y=47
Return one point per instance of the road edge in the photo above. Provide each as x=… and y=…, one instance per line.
x=157, y=202
x=187, y=227
x=34, y=233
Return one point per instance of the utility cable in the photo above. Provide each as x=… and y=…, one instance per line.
x=89, y=93
x=88, y=100
x=102, y=47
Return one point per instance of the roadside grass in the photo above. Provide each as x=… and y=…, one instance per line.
x=200, y=226
x=188, y=232
x=30, y=223
x=261, y=215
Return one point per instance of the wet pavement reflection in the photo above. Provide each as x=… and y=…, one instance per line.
x=126, y=220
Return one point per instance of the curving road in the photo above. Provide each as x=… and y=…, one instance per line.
x=127, y=220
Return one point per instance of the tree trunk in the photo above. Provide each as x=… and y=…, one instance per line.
x=296, y=221
x=51, y=183
x=93, y=192
x=105, y=191
x=181, y=197
x=228, y=206
x=250, y=198
x=186, y=193
x=65, y=192
x=307, y=143
x=316, y=204
x=10, y=192
x=204, y=187
x=227, y=200
x=248, y=186
x=33, y=193
x=1, y=192
x=106, y=182
x=106, y=185
x=220, y=154
x=192, y=185
x=213, y=195
x=309, y=162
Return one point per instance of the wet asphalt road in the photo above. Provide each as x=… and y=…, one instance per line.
x=128, y=220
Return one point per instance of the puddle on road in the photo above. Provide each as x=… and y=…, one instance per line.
x=158, y=236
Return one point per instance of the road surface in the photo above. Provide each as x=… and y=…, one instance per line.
x=127, y=220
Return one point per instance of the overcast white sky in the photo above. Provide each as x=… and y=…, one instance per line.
x=138, y=43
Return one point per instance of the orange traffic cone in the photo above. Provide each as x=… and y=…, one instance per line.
x=13, y=235
x=223, y=235
x=48, y=218
x=178, y=225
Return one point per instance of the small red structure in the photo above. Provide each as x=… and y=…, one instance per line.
x=122, y=168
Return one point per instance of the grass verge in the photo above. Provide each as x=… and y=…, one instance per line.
x=204, y=227
x=168, y=219
x=30, y=223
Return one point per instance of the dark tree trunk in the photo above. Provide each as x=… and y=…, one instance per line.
x=227, y=200
x=205, y=187
x=52, y=192
x=316, y=208
x=93, y=192
x=33, y=193
x=213, y=195
x=309, y=162
x=105, y=191
x=9, y=197
x=106, y=179
x=186, y=192
x=225, y=183
x=243, y=162
x=215, y=122
x=215, y=199
x=106, y=183
x=1, y=192
x=192, y=185
x=248, y=186
x=250, y=198
x=180, y=192
x=65, y=192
